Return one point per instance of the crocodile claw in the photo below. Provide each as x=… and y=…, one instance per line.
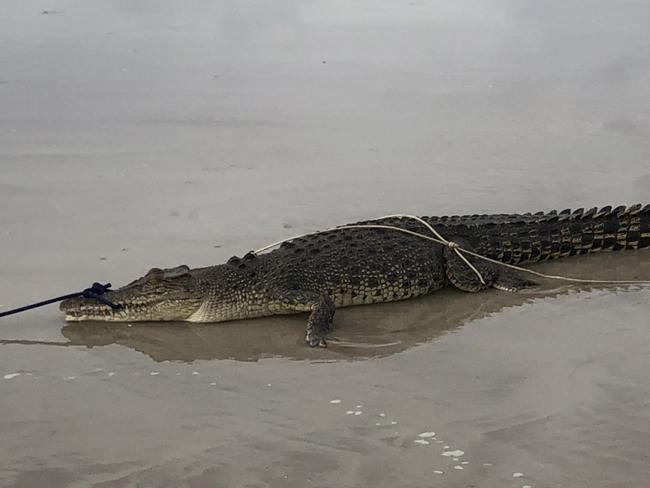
x=315, y=341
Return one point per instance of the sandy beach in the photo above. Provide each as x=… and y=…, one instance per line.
x=142, y=134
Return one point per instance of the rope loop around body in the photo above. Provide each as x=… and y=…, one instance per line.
x=451, y=245
x=460, y=251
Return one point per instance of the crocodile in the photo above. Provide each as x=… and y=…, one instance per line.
x=340, y=267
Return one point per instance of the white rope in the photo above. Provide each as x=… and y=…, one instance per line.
x=453, y=245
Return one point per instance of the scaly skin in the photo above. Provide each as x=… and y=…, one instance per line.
x=345, y=267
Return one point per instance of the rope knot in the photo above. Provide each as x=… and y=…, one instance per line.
x=97, y=292
x=95, y=289
x=453, y=245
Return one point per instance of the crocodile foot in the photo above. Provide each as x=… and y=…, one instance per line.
x=509, y=280
x=315, y=340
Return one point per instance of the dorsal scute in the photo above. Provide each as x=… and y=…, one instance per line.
x=619, y=211
x=623, y=211
x=578, y=213
x=603, y=212
x=590, y=213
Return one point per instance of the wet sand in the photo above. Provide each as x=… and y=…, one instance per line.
x=141, y=134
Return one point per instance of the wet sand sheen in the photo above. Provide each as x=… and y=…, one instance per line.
x=173, y=136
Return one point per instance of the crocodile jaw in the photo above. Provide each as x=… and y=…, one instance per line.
x=171, y=294
x=85, y=309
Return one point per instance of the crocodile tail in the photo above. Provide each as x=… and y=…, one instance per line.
x=543, y=236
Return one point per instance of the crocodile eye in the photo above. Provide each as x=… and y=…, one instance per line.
x=176, y=272
x=154, y=274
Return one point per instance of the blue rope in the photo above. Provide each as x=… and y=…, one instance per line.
x=96, y=291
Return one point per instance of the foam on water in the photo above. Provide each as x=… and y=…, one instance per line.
x=457, y=453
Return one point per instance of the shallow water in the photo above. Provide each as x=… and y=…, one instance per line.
x=140, y=134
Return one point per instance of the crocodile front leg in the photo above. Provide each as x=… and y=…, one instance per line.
x=321, y=307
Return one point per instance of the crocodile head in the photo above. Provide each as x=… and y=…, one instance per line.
x=162, y=294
